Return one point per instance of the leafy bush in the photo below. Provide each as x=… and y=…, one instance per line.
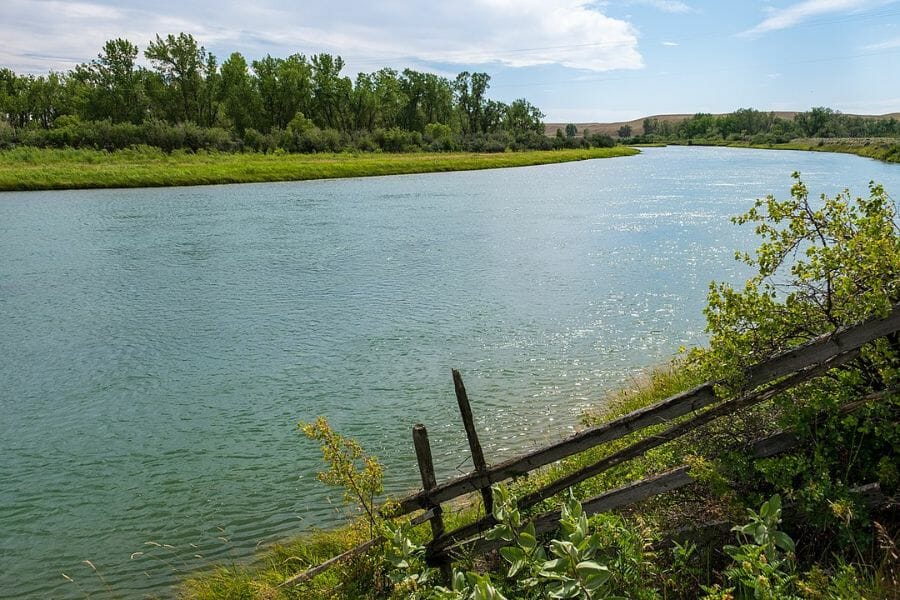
x=763, y=567
x=572, y=565
x=821, y=265
x=398, y=140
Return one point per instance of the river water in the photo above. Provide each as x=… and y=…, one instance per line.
x=159, y=346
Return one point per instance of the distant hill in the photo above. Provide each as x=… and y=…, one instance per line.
x=637, y=125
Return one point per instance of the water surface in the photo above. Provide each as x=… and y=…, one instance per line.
x=159, y=346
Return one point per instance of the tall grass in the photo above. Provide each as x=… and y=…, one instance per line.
x=45, y=169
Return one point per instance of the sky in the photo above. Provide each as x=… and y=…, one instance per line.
x=578, y=60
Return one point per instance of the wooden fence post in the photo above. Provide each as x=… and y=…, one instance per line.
x=465, y=409
x=426, y=470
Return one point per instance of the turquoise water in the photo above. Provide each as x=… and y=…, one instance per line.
x=159, y=346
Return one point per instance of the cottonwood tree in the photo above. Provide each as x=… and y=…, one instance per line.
x=470, y=90
x=522, y=116
x=116, y=86
x=181, y=64
x=237, y=95
x=330, y=92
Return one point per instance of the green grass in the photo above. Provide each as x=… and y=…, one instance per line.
x=883, y=149
x=656, y=385
x=356, y=578
x=46, y=169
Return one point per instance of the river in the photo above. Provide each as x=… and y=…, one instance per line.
x=159, y=346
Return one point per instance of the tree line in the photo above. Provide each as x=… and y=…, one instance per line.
x=759, y=127
x=187, y=100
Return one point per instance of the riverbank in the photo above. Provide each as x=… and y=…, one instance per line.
x=884, y=151
x=262, y=577
x=640, y=550
x=46, y=169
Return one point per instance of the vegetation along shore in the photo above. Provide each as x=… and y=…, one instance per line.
x=45, y=169
x=883, y=149
x=819, y=129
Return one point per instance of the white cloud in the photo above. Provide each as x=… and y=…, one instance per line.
x=885, y=45
x=669, y=6
x=671, y=44
x=53, y=34
x=783, y=18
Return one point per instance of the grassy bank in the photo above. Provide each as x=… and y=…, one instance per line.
x=883, y=150
x=644, y=564
x=359, y=578
x=45, y=169
x=887, y=152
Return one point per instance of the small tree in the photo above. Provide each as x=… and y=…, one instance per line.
x=571, y=130
x=349, y=467
x=821, y=265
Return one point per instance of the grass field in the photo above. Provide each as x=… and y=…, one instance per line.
x=45, y=169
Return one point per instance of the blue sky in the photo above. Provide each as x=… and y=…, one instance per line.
x=578, y=60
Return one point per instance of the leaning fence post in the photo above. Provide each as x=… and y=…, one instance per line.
x=426, y=470
x=465, y=409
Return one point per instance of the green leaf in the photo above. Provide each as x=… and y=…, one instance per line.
x=527, y=541
x=595, y=582
x=515, y=557
x=459, y=581
x=555, y=565
x=568, y=589
x=562, y=548
x=783, y=541
x=760, y=534
x=500, y=532
x=588, y=568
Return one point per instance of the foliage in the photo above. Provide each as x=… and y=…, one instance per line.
x=758, y=127
x=361, y=476
x=819, y=267
x=567, y=568
x=763, y=567
x=574, y=573
x=185, y=85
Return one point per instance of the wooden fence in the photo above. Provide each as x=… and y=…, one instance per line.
x=761, y=382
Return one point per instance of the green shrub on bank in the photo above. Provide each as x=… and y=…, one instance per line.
x=300, y=136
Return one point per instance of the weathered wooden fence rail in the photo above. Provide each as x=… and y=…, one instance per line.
x=815, y=352
x=779, y=373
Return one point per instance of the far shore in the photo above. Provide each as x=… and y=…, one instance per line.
x=889, y=153
x=46, y=169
